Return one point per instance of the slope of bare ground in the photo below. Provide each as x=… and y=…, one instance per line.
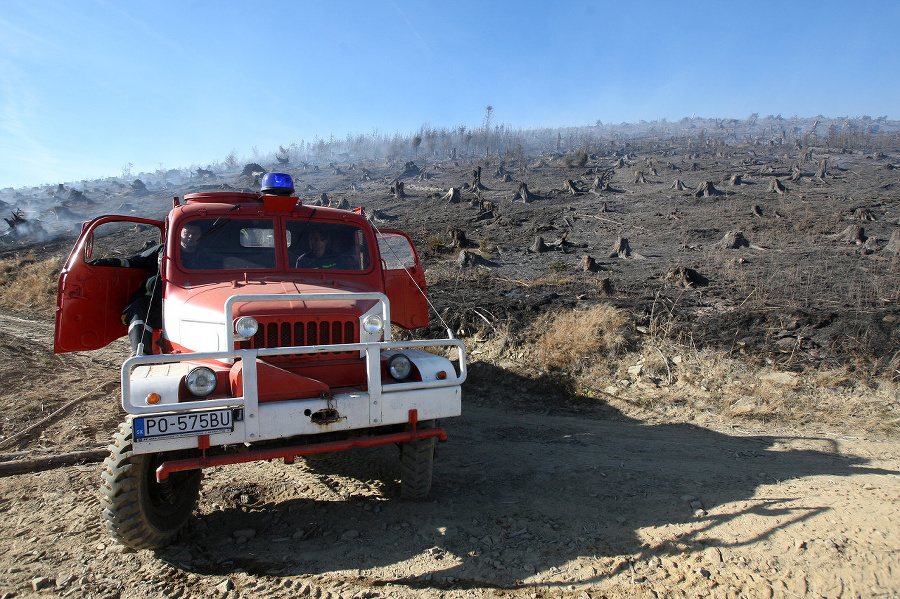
x=539, y=492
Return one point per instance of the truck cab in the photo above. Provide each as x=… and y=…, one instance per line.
x=275, y=339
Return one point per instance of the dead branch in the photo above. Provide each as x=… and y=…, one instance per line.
x=54, y=461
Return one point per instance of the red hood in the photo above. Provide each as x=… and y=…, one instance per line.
x=211, y=298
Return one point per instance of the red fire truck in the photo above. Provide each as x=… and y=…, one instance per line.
x=268, y=348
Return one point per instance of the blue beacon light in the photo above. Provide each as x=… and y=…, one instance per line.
x=280, y=184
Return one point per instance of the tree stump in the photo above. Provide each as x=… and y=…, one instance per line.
x=486, y=206
x=601, y=182
x=397, y=189
x=706, y=189
x=776, y=186
x=853, y=234
x=756, y=210
x=571, y=188
x=523, y=194
x=639, y=177
x=733, y=240
x=688, y=278
x=539, y=246
x=507, y=178
x=677, y=185
x=736, y=179
x=476, y=180
x=458, y=239
x=863, y=214
x=323, y=199
x=588, y=264
x=795, y=173
x=452, y=196
x=822, y=171
x=621, y=249
x=893, y=245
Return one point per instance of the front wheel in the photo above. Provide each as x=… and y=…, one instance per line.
x=416, y=467
x=139, y=511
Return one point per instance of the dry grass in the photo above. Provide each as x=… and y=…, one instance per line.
x=658, y=379
x=28, y=285
x=570, y=339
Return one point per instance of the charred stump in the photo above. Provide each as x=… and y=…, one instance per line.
x=621, y=249
x=756, y=210
x=458, y=239
x=639, y=177
x=523, y=194
x=822, y=171
x=476, y=180
x=733, y=240
x=736, y=179
x=795, y=173
x=397, y=190
x=588, y=264
x=853, y=234
x=324, y=200
x=776, y=186
x=571, y=188
x=601, y=182
x=677, y=185
x=863, y=214
x=538, y=246
x=893, y=245
x=452, y=196
x=688, y=278
x=706, y=189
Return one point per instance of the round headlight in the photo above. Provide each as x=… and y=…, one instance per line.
x=246, y=326
x=399, y=367
x=373, y=324
x=201, y=381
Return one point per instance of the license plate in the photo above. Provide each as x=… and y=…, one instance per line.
x=147, y=428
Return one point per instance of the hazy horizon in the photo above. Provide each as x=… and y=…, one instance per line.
x=87, y=89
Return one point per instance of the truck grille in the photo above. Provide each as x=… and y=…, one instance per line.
x=288, y=334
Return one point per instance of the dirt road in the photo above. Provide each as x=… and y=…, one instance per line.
x=544, y=501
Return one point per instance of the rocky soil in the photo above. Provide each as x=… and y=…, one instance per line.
x=538, y=492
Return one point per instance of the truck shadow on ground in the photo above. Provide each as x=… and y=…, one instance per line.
x=525, y=493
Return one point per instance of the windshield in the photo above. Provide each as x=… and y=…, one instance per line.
x=227, y=244
x=314, y=246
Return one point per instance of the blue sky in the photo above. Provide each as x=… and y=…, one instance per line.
x=88, y=86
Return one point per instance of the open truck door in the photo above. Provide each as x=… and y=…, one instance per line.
x=404, y=279
x=90, y=299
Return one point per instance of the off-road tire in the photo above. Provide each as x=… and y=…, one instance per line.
x=416, y=467
x=138, y=511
